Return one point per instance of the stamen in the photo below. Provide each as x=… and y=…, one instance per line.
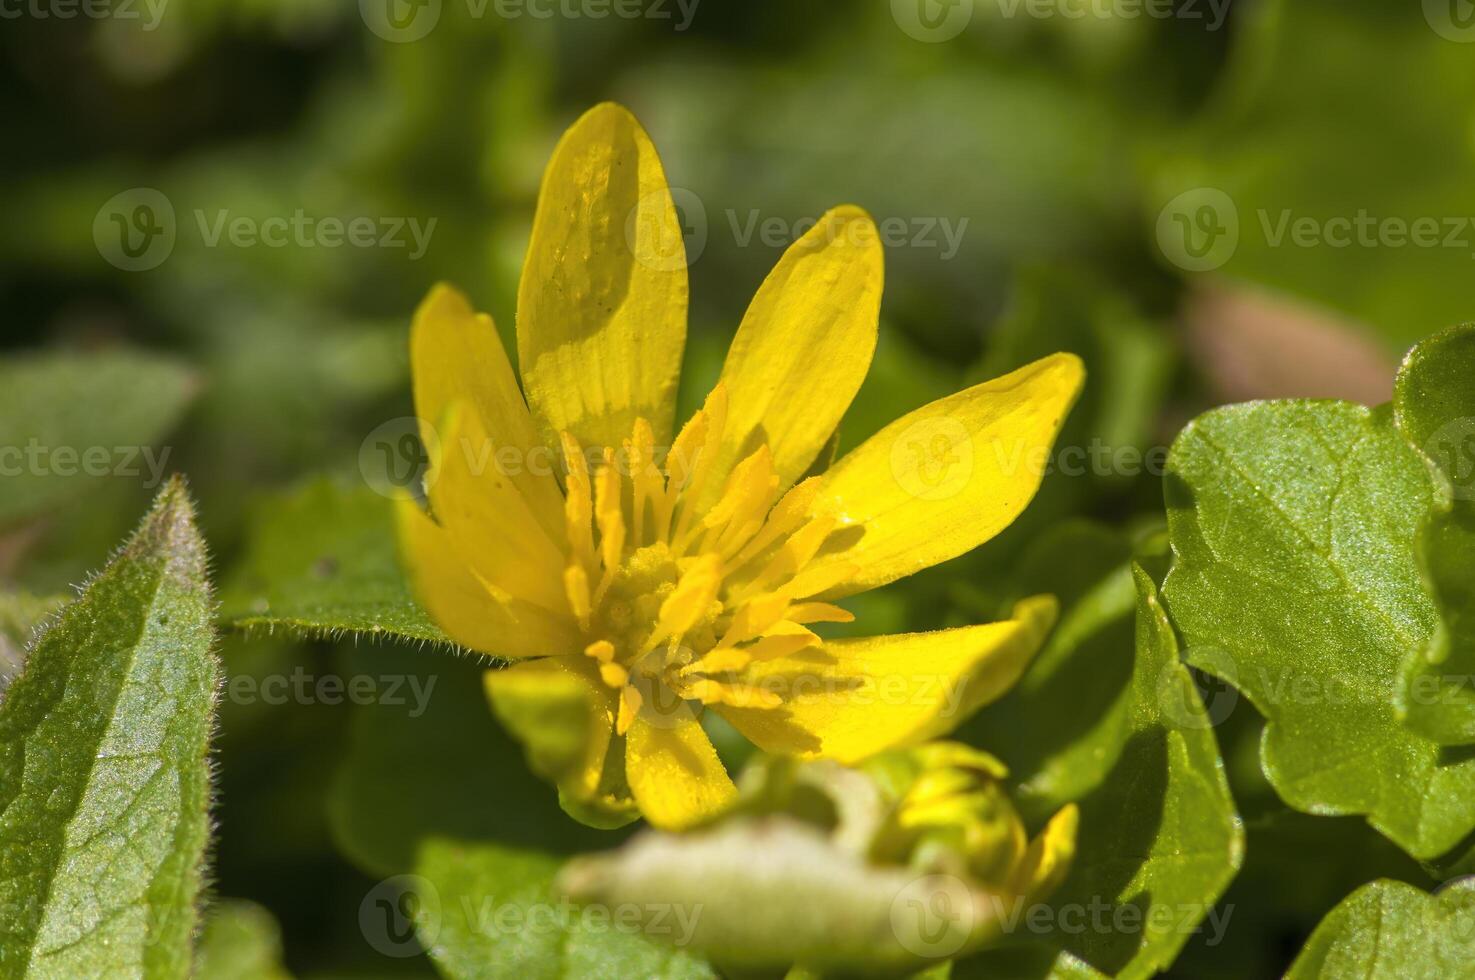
x=630, y=702
x=692, y=599
x=709, y=691
x=719, y=660
x=780, y=645
x=671, y=574
x=609, y=513
x=696, y=459
x=754, y=617
x=819, y=612
x=579, y=505
x=576, y=584
x=647, y=483
x=791, y=557
x=785, y=518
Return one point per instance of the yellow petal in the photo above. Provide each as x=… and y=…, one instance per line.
x=471, y=612
x=850, y=699
x=457, y=357
x=945, y=478
x=562, y=719
x=488, y=520
x=601, y=309
x=804, y=345
x=674, y=772
x=1046, y=863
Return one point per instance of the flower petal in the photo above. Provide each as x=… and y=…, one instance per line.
x=945, y=478
x=1048, y=859
x=457, y=357
x=804, y=346
x=489, y=522
x=674, y=772
x=563, y=717
x=471, y=612
x=850, y=699
x=601, y=309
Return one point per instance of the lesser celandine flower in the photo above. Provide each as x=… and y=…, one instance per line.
x=646, y=576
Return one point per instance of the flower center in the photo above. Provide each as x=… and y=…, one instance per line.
x=681, y=585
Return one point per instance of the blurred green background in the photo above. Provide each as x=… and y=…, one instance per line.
x=1124, y=184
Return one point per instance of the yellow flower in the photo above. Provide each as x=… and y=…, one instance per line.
x=635, y=578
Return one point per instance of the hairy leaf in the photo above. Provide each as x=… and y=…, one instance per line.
x=20, y=615
x=323, y=560
x=103, y=778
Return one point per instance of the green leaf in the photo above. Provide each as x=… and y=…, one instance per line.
x=103, y=776
x=323, y=560
x=1434, y=407
x=489, y=911
x=1295, y=870
x=1027, y=962
x=1160, y=839
x=1294, y=527
x=1388, y=930
x=77, y=420
x=241, y=942
x=439, y=764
